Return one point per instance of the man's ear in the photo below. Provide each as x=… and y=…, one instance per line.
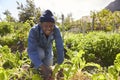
x=41, y=24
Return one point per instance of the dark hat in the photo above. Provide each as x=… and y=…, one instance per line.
x=47, y=16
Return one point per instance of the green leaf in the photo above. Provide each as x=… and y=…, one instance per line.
x=36, y=77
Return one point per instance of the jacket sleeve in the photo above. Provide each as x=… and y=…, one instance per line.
x=59, y=45
x=32, y=49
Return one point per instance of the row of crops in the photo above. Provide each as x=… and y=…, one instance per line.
x=90, y=56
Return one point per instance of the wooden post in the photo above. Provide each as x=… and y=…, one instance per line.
x=93, y=22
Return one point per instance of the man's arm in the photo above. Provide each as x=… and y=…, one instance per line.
x=32, y=48
x=59, y=45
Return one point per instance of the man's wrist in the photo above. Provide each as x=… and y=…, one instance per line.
x=40, y=66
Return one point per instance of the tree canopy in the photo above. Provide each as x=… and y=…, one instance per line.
x=28, y=11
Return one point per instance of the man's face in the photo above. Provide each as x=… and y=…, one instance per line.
x=47, y=27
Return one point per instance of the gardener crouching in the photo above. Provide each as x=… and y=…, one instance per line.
x=40, y=41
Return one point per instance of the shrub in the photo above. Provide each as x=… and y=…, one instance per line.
x=6, y=28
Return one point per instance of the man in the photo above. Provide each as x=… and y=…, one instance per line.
x=40, y=43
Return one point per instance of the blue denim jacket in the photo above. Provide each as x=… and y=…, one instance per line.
x=36, y=39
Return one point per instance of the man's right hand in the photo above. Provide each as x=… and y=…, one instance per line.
x=45, y=71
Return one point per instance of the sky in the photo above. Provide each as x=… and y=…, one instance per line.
x=78, y=8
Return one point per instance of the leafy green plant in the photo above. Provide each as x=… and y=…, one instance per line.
x=5, y=28
x=117, y=62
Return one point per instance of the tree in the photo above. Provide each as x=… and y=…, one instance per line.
x=29, y=11
x=116, y=20
x=8, y=18
x=68, y=21
x=102, y=20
